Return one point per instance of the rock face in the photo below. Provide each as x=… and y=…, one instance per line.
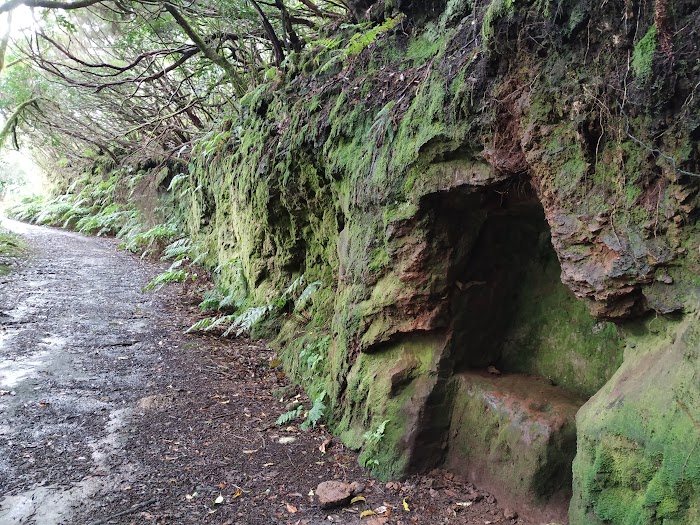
x=637, y=437
x=493, y=184
x=515, y=435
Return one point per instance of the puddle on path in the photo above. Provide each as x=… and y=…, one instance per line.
x=14, y=372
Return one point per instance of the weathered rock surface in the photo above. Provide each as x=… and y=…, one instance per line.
x=508, y=185
x=516, y=435
x=637, y=437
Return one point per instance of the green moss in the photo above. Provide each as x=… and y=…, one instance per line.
x=380, y=260
x=636, y=461
x=11, y=245
x=643, y=55
x=423, y=48
x=373, y=399
x=553, y=335
x=496, y=431
x=496, y=9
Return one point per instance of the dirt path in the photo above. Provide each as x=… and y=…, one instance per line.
x=109, y=414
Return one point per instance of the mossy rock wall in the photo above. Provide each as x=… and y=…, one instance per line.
x=378, y=175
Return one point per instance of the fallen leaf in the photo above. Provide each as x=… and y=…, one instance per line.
x=326, y=443
x=236, y=494
x=222, y=485
x=366, y=513
x=190, y=497
x=43, y=404
x=357, y=498
x=465, y=503
x=291, y=509
x=380, y=510
x=405, y=506
x=250, y=451
x=286, y=440
x=219, y=500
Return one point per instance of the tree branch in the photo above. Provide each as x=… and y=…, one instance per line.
x=4, y=41
x=208, y=52
x=48, y=4
x=11, y=122
x=269, y=30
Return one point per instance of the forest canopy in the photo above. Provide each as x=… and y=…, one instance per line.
x=136, y=80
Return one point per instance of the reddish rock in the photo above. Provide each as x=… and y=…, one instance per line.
x=333, y=494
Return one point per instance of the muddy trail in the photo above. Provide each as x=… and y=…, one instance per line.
x=110, y=414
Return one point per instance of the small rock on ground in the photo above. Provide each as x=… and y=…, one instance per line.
x=333, y=494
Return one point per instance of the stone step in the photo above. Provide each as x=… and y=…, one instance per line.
x=515, y=435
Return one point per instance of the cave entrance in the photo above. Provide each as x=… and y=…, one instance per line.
x=526, y=354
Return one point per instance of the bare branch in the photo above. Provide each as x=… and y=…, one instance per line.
x=48, y=4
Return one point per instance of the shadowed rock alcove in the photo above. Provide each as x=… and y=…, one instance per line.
x=525, y=356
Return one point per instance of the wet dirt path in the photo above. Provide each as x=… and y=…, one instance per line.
x=109, y=414
x=76, y=355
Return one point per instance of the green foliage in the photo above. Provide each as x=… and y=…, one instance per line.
x=643, y=55
x=211, y=300
x=168, y=277
x=313, y=354
x=372, y=440
x=290, y=415
x=313, y=416
x=106, y=221
x=179, y=249
x=423, y=48
x=202, y=324
x=209, y=144
x=496, y=9
x=150, y=241
x=316, y=413
x=11, y=245
x=374, y=437
x=306, y=295
x=244, y=322
x=359, y=41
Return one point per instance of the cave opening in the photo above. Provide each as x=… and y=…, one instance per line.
x=526, y=354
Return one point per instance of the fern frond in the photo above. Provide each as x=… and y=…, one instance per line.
x=316, y=413
x=244, y=322
x=177, y=249
x=289, y=416
x=168, y=277
x=219, y=321
x=177, y=179
x=296, y=284
x=200, y=325
x=300, y=303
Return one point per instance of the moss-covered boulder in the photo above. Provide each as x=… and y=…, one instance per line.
x=637, y=456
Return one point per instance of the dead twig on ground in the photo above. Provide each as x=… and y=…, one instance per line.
x=126, y=512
